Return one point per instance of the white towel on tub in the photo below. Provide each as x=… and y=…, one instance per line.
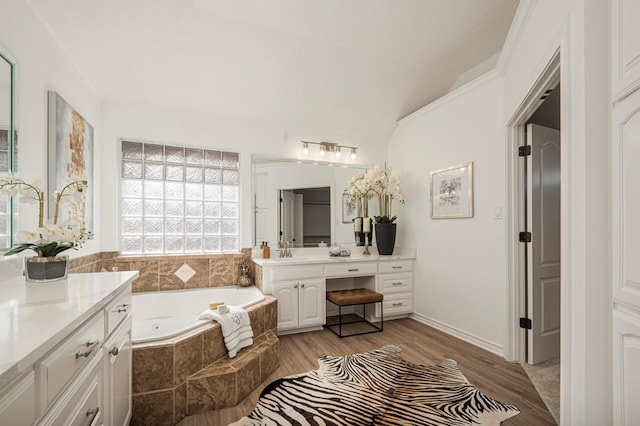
x=236, y=327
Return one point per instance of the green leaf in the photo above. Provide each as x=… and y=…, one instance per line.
x=19, y=248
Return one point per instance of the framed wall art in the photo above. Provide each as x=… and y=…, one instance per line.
x=70, y=158
x=452, y=192
x=348, y=211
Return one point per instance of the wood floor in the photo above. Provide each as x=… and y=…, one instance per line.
x=420, y=344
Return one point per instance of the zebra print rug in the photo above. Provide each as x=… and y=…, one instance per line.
x=376, y=388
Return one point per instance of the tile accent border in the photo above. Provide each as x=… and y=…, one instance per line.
x=158, y=272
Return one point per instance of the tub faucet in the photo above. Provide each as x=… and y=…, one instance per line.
x=286, y=251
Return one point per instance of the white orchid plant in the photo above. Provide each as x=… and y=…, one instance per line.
x=358, y=188
x=379, y=182
x=50, y=238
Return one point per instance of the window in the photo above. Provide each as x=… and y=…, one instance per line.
x=178, y=200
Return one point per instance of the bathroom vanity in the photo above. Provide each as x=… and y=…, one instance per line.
x=300, y=283
x=65, y=350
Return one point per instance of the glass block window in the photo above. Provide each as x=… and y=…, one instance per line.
x=178, y=200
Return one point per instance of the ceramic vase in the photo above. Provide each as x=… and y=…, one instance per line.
x=385, y=238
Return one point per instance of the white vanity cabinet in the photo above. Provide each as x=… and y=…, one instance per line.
x=301, y=297
x=17, y=401
x=300, y=285
x=395, y=281
x=70, y=358
x=117, y=354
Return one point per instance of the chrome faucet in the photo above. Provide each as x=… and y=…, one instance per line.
x=286, y=251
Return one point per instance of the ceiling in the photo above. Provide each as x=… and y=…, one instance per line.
x=353, y=67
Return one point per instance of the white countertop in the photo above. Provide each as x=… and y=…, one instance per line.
x=302, y=256
x=34, y=317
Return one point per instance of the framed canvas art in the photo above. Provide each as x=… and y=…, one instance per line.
x=70, y=158
x=452, y=192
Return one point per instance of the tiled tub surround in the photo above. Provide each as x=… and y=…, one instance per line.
x=192, y=373
x=170, y=272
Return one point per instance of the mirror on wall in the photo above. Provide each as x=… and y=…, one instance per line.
x=301, y=202
x=8, y=147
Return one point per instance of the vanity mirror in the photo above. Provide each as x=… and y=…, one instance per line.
x=311, y=210
x=7, y=146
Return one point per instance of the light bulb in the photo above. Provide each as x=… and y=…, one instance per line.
x=353, y=153
x=305, y=148
x=338, y=152
x=323, y=151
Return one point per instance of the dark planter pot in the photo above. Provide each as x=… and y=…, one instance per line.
x=46, y=269
x=385, y=238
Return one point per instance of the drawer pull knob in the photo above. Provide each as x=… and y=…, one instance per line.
x=302, y=285
x=295, y=286
x=93, y=412
x=92, y=343
x=84, y=354
x=353, y=270
x=397, y=304
x=122, y=308
x=114, y=351
x=398, y=283
x=396, y=267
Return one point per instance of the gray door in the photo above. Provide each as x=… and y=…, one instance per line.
x=543, y=255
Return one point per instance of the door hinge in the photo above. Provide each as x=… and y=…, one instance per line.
x=524, y=150
x=525, y=237
x=525, y=323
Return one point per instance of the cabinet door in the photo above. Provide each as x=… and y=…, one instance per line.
x=312, y=303
x=287, y=295
x=17, y=404
x=626, y=47
x=117, y=353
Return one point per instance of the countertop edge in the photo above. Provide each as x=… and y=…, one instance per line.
x=17, y=369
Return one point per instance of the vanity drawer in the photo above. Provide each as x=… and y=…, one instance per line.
x=294, y=272
x=118, y=310
x=394, y=283
x=395, y=266
x=60, y=366
x=351, y=269
x=401, y=303
x=82, y=404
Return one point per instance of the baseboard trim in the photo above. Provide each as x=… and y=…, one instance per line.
x=460, y=334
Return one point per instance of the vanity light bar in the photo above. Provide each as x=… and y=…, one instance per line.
x=325, y=147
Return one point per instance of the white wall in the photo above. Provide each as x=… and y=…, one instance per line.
x=200, y=129
x=459, y=279
x=42, y=66
x=581, y=30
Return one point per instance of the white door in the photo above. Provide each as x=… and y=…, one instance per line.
x=287, y=215
x=297, y=240
x=312, y=303
x=119, y=358
x=543, y=254
x=287, y=295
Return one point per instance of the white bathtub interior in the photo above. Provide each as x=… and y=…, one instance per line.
x=165, y=314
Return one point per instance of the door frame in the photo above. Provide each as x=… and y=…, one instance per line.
x=515, y=348
x=557, y=69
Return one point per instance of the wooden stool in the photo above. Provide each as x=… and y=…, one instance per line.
x=358, y=296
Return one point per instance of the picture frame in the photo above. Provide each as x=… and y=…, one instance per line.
x=70, y=158
x=348, y=211
x=451, y=192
